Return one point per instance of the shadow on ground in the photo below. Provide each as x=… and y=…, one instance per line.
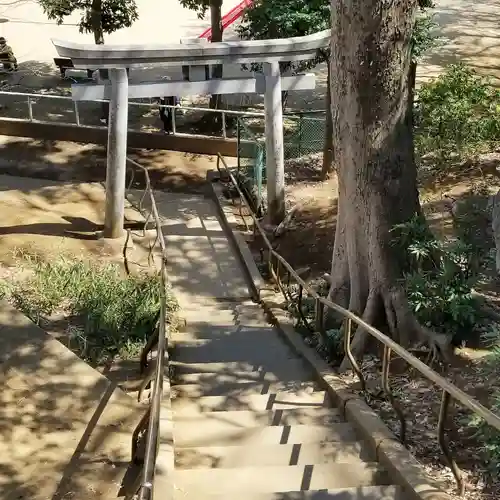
x=67, y=428
x=76, y=162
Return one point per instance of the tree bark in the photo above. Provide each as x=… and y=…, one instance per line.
x=328, y=151
x=217, y=32
x=96, y=20
x=412, y=82
x=373, y=144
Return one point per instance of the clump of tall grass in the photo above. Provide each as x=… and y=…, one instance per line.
x=115, y=313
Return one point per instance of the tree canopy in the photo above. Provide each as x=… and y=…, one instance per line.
x=267, y=19
x=199, y=6
x=97, y=16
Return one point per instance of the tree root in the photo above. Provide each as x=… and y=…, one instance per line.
x=402, y=325
x=361, y=337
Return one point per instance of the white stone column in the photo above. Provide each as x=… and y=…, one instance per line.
x=117, y=154
x=275, y=167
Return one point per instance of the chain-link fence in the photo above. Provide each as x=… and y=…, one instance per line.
x=304, y=135
x=251, y=160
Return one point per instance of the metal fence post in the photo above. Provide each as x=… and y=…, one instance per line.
x=30, y=109
x=238, y=144
x=174, y=124
x=300, y=133
x=224, y=131
x=77, y=114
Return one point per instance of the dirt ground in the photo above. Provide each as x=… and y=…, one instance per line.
x=77, y=162
x=308, y=241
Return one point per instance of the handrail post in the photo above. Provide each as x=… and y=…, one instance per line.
x=386, y=363
x=443, y=415
x=319, y=319
x=348, y=353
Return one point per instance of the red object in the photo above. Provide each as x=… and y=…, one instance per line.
x=234, y=14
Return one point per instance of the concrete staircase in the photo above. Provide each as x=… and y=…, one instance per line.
x=65, y=429
x=248, y=422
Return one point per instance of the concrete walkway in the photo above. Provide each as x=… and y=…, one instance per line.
x=248, y=422
x=65, y=430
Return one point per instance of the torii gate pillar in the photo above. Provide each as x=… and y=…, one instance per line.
x=116, y=168
x=275, y=162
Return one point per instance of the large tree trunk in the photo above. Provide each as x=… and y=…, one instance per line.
x=217, y=32
x=328, y=151
x=96, y=20
x=373, y=141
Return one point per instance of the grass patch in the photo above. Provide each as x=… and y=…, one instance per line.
x=113, y=314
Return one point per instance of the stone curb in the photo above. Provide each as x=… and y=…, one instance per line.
x=401, y=465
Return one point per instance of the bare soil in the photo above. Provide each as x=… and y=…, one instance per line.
x=78, y=162
x=421, y=402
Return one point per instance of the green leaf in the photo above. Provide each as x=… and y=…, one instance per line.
x=114, y=14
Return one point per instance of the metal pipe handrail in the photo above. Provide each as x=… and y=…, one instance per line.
x=234, y=112
x=135, y=103
x=32, y=97
x=448, y=388
x=152, y=438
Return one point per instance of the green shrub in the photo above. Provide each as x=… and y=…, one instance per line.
x=424, y=36
x=457, y=113
x=490, y=437
x=438, y=279
x=116, y=313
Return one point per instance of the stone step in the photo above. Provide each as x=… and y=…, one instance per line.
x=294, y=373
x=217, y=432
x=246, y=418
x=222, y=313
x=249, y=350
x=362, y=493
x=254, y=402
x=237, y=389
x=198, y=483
x=294, y=369
x=213, y=332
x=278, y=454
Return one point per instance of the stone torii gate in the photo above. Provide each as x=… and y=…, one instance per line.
x=117, y=58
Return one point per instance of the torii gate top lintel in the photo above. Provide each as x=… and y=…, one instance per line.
x=241, y=51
